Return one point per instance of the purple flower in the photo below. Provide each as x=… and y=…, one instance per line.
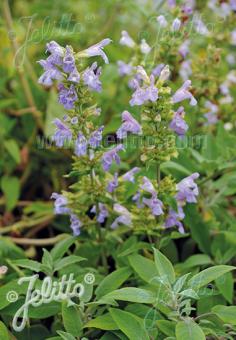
x=184, y=48
x=144, y=47
x=97, y=50
x=145, y=93
x=112, y=185
x=81, y=145
x=55, y=49
x=110, y=156
x=178, y=124
x=233, y=4
x=176, y=25
x=123, y=68
x=60, y=204
x=96, y=137
x=74, y=120
x=67, y=97
x=173, y=219
x=200, y=27
x=165, y=73
x=129, y=124
x=126, y=40
x=211, y=115
x=183, y=93
x=147, y=185
x=76, y=224
x=162, y=21
x=124, y=218
x=129, y=176
x=68, y=60
x=171, y=3
x=51, y=73
x=91, y=77
x=157, y=70
x=137, y=199
x=154, y=204
x=62, y=134
x=188, y=189
x=103, y=212
x=185, y=69
x=74, y=76
x=50, y=64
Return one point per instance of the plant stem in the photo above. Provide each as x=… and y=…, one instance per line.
x=26, y=224
x=19, y=68
x=38, y=242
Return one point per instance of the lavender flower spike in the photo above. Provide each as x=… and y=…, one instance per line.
x=62, y=134
x=178, y=124
x=173, y=219
x=68, y=60
x=67, y=97
x=188, y=189
x=126, y=39
x=146, y=93
x=183, y=93
x=129, y=124
x=60, y=204
x=176, y=25
x=80, y=145
x=162, y=21
x=147, y=185
x=154, y=204
x=96, y=138
x=124, y=218
x=129, y=176
x=75, y=224
x=112, y=185
x=54, y=48
x=123, y=68
x=144, y=47
x=102, y=214
x=97, y=50
x=91, y=78
x=110, y=156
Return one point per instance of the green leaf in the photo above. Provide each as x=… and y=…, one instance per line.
x=144, y=267
x=197, y=260
x=61, y=248
x=133, y=295
x=4, y=332
x=112, y=281
x=225, y=285
x=186, y=330
x=104, y=322
x=199, y=229
x=66, y=336
x=71, y=319
x=13, y=149
x=226, y=313
x=47, y=260
x=164, y=267
x=190, y=293
x=179, y=284
x=129, y=324
x=166, y=327
x=29, y=264
x=207, y=275
x=66, y=261
x=11, y=189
